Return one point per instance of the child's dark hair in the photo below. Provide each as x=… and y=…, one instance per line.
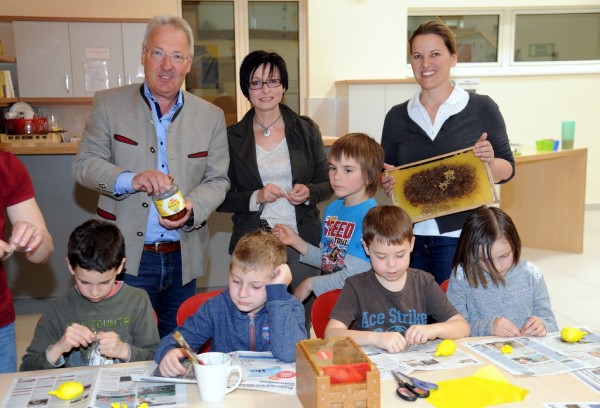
x=482, y=228
x=96, y=246
x=259, y=249
x=367, y=153
x=387, y=224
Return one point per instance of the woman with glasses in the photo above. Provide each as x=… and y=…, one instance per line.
x=278, y=168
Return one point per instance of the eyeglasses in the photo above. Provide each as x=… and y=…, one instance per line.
x=159, y=55
x=271, y=83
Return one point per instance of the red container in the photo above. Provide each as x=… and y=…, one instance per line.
x=24, y=126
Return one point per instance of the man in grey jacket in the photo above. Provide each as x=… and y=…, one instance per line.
x=136, y=138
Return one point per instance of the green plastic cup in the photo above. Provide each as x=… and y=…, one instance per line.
x=568, y=134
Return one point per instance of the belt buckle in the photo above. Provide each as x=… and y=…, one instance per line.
x=157, y=246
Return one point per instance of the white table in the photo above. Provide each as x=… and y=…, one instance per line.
x=555, y=388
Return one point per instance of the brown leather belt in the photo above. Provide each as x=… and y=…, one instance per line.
x=162, y=247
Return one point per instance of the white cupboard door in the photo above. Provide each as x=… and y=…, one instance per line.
x=43, y=59
x=96, y=57
x=133, y=35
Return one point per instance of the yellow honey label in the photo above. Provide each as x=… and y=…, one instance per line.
x=171, y=205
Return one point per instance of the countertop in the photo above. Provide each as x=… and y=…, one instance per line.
x=40, y=148
x=49, y=148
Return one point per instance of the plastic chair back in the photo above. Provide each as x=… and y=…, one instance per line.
x=189, y=307
x=321, y=308
x=444, y=285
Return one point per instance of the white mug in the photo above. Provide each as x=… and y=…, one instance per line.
x=213, y=376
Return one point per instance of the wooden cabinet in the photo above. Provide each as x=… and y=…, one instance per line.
x=546, y=199
x=75, y=59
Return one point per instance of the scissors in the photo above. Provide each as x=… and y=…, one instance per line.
x=407, y=391
x=415, y=382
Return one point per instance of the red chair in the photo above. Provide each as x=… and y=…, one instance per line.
x=189, y=307
x=444, y=285
x=320, y=310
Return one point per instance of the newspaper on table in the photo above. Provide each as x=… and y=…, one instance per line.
x=260, y=371
x=590, y=377
x=541, y=355
x=572, y=405
x=263, y=372
x=415, y=358
x=33, y=391
x=154, y=375
x=115, y=385
x=102, y=386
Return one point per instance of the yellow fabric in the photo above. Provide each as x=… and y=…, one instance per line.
x=484, y=388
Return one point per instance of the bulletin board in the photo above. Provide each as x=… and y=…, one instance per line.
x=443, y=185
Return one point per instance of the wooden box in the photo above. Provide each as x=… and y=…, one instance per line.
x=335, y=373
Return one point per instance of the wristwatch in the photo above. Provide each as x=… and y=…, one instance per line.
x=190, y=221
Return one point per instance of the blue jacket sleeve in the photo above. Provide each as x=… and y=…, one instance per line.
x=196, y=330
x=285, y=314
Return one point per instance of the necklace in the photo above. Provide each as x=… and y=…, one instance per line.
x=266, y=130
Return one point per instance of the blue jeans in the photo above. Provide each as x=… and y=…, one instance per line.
x=8, y=349
x=160, y=276
x=434, y=254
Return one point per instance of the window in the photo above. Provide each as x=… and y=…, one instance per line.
x=538, y=39
x=226, y=31
x=520, y=41
x=476, y=35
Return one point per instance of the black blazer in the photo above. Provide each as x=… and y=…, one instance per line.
x=309, y=167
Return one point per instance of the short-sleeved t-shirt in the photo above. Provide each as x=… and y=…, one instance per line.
x=364, y=304
x=15, y=187
x=342, y=233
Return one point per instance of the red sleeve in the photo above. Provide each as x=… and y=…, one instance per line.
x=19, y=182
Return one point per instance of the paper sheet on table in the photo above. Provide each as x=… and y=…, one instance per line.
x=484, y=388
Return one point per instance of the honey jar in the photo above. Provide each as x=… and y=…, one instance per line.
x=170, y=204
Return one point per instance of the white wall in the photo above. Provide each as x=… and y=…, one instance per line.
x=371, y=44
x=91, y=9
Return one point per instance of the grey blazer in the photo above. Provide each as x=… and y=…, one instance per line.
x=120, y=136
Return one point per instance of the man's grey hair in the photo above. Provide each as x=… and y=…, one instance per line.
x=175, y=22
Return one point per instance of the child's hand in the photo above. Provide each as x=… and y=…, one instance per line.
x=502, y=327
x=393, y=342
x=302, y=291
x=534, y=326
x=419, y=334
x=299, y=194
x=285, y=234
x=76, y=335
x=170, y=366
x=290, y=238
x=282, y=274
x=110, y=345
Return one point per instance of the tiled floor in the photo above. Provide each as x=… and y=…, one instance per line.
x=573, y=282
